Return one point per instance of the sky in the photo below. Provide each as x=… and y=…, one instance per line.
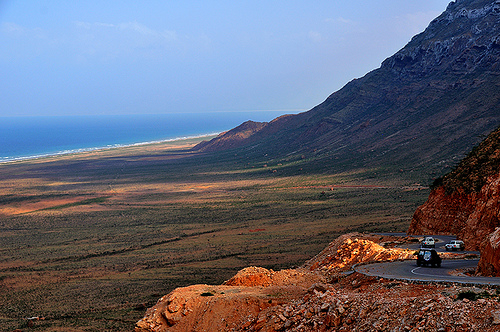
x=89, y=57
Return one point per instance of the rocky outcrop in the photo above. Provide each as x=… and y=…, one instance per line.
x=367, y=304
x=243, y=297
x=466, y=203
x=489, y=264
x=228, y=306
x=206, y=308
x=466, y=44
x=354, y=248
x=319, y=297
x=472, y=216
x=261, y=277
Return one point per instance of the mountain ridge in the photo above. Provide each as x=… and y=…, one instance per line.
x=424, y=108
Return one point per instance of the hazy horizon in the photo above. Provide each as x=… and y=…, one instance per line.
x=28, y=137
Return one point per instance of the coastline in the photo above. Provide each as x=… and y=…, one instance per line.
x=195, y=139
x=29, y=138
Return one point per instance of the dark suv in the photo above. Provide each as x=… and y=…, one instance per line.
x=427, y=256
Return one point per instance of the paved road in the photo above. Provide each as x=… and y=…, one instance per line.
x=408, y=270
x=441, y=240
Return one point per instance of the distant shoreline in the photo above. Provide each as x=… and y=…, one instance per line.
x=8, y=160
x=30, y=138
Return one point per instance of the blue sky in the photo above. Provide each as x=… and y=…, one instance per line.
x=132, y=57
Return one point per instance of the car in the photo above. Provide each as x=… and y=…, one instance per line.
x=455, y=245
x=428, y=242
x=426, y=256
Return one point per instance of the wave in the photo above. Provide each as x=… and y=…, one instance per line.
x=4, y=160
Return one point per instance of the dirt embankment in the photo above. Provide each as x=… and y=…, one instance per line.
x=229, y=306
x=320, y=297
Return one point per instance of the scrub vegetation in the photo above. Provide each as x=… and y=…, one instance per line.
x=89, y=241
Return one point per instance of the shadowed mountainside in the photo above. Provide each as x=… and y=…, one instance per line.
x=426, y=106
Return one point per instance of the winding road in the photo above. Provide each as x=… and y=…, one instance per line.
x=409, y=271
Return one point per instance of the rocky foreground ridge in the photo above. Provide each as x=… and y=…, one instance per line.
x=321, y=296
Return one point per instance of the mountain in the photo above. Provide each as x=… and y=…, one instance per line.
x=233, y=137
x=424, y=108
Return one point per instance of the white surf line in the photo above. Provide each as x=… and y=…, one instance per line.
x=5, y=160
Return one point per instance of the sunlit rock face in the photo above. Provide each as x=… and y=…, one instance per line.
x=320, y=297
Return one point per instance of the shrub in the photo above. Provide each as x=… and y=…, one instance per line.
x=469, y=295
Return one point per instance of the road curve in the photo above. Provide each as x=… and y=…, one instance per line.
x=408, y=271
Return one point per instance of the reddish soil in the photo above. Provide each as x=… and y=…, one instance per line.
x=320, y=297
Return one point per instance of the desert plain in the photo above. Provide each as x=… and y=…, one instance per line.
x=89, y=241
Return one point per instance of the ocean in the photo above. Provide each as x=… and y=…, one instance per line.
x=38, y=136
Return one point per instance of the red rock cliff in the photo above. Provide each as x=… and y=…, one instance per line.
x=471, y=216
x=466, y=202
x=489, y=265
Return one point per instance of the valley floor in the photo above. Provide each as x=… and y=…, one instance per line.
x=89, y=241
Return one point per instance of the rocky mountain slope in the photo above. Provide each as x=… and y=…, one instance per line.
x=319, y=296
x=466, y=202
x=426, y=106
x=489, y=265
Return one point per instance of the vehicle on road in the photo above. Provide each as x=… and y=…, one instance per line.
x=426, y=256
x=428, y=242
x=455, y=245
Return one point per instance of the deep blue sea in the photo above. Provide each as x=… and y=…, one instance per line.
x=35, y=136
